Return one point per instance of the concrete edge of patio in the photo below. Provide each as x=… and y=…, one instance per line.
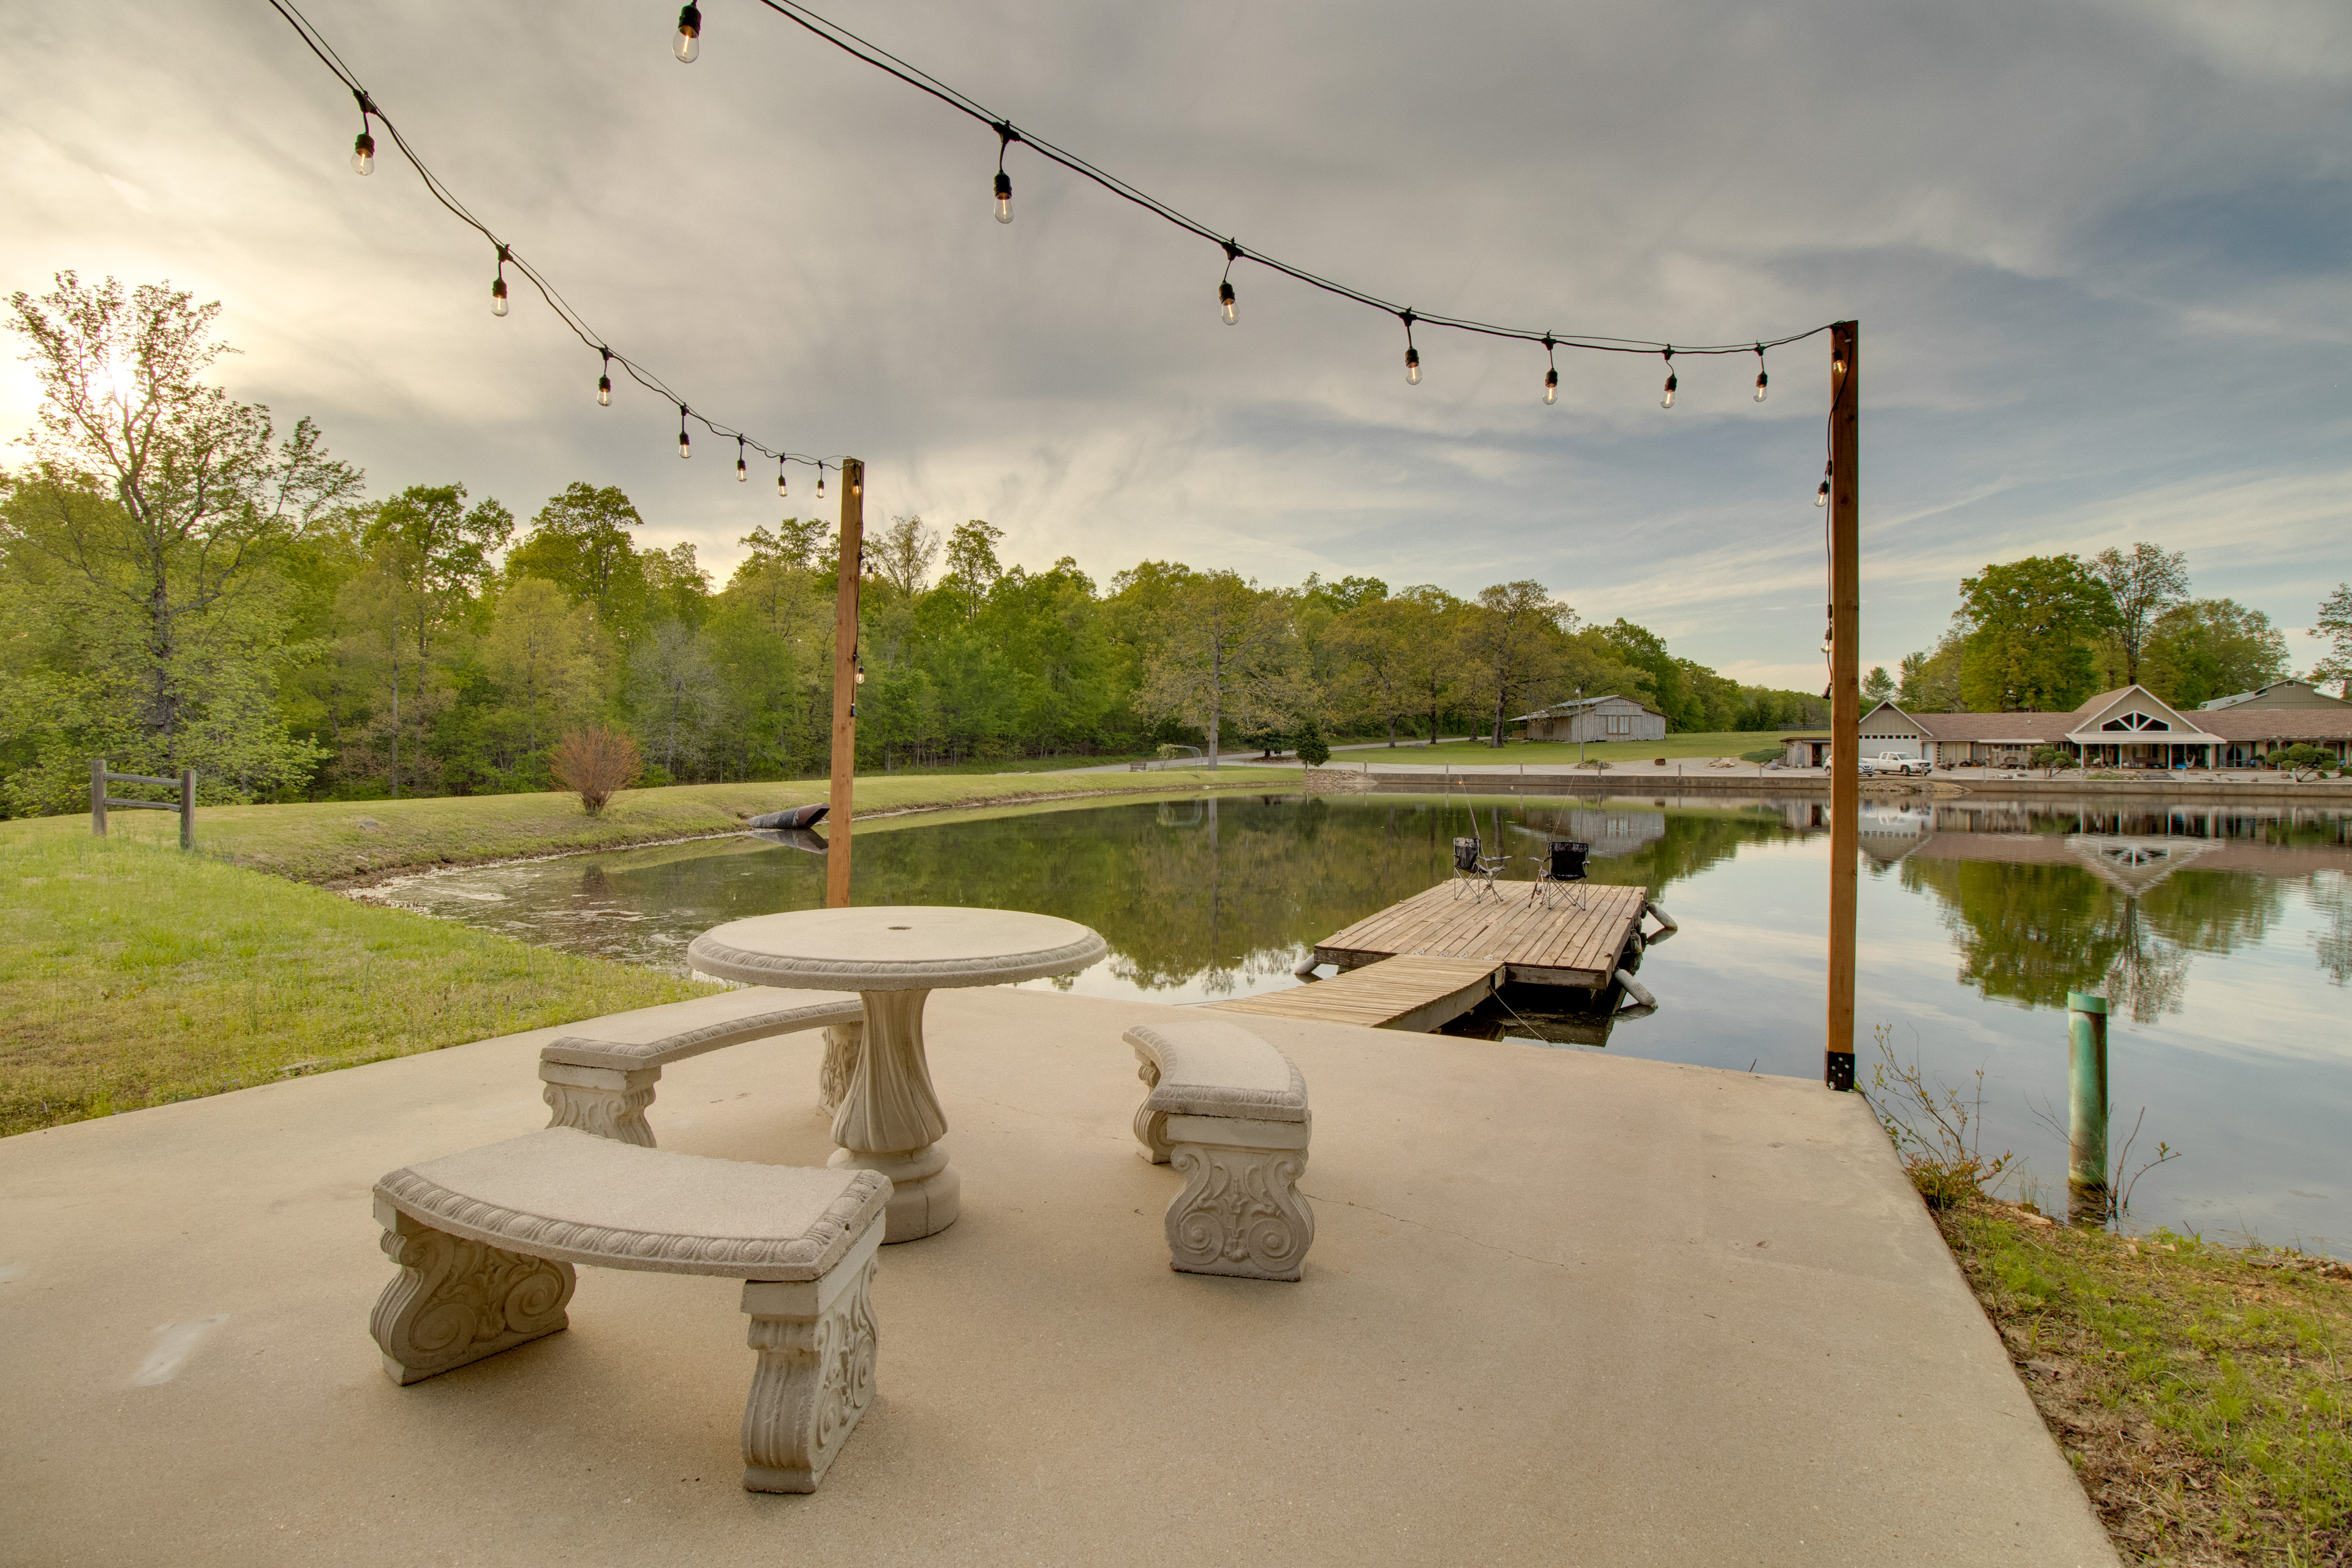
x=1560, y=1308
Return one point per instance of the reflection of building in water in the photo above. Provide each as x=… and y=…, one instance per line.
x=1888, y=832
x=1615, y=832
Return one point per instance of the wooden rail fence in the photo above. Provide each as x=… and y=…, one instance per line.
x=100, y=800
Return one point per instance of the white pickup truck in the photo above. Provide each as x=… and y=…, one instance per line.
x=1895, y=762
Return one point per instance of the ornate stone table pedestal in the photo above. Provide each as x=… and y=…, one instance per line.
x=894, y=956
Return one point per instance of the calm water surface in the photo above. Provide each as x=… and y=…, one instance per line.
x=2224, y=937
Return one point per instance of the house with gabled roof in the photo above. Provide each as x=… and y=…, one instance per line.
x=2130, y=727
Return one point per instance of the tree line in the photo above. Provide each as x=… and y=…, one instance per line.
x=2046, y=633
x=183, y=585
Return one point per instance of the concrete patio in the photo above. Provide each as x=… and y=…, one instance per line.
x=1561, y=1309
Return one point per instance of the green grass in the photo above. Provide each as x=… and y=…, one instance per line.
x=2203, y=1392
x=1555, y=755
x=132, y=975
x=332, y=841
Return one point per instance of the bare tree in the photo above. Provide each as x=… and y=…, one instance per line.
x=2144, y=584
x=901, y=554
x=597, y=764
x=1510, y=641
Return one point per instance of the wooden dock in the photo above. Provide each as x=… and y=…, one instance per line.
x=1408, y=992
x=1562, y=945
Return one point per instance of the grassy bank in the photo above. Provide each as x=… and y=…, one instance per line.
x=133, y=975
x=1551, y=754
x=2202, y=1393
x=330, y=841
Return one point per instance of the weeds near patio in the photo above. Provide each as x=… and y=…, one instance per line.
x=2200, y=1392
x=1934, y=1126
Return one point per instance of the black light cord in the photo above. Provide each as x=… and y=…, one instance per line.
x=564, y=311
x=1007, y=133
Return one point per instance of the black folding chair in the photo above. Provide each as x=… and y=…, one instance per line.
x=1563, y=867
x=1474, y=871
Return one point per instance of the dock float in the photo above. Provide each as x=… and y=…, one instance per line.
x=1562, y=945
x=1410, y=992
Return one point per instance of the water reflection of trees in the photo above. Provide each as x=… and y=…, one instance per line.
x=2032, y=932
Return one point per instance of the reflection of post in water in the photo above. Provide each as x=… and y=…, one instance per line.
x=2087, y=1200
x=1216, y=869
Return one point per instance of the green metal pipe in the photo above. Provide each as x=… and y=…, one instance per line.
x=2086, y=1109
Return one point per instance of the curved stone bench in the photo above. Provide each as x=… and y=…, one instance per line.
x=486, y=1242
x=1229, y=1112
x=602, y=1083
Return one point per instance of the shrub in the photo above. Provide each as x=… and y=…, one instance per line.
x=2050, y=759
x=1760, y=754
x=2303, y=757
x=1312, y=751
x=597, y=764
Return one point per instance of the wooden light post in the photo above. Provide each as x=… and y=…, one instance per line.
x=1845, y=691
x=850, y=567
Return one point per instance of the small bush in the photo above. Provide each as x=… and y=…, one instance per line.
x=1760, y=754
x=1312, y=749
x=2050, y=759
x=596, y=764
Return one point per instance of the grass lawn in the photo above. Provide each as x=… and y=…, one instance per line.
x=2202, y=1393
x=329, y=841
x=133, y=975
x=1555, y=755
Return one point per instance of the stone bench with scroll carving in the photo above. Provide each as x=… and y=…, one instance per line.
x=487, y=1241
x=602, y=1079
x=1229, y=1112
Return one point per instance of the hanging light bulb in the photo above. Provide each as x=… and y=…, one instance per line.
x=498, y=285
x=604, y=381
x=363, y=145
x=780, y=473
x=819, y=481
x=1412, y=367
x=685, y=446
x=1004, y=197
x=741, y=473
x=688, y=44
x=1760, y=377
x=1225, y=300
x=1668, y=400
x=1837, y=363
x=1822, y=498
x=1551, y=386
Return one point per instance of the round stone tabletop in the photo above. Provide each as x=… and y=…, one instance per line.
x=907, y=947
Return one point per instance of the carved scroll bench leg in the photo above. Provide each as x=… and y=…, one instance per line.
x=815, y=1376
x=842, y=1044
x=607, y=1101
x=1151, y=1126
x=1240, y=1213
x=456, y=1302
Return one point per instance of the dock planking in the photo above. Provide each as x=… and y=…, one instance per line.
x=1562, y=945
x=1410, y=993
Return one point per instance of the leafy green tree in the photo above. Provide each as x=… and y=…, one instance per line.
x=2033, y=621
x=901, y=554
x=538, y=652
x=157, y=509
x=1376, y=639
x=2205, y=648
x=581, y=541
x=1219, y=653
x=796, y=542
x=1879, y=686
x=2334, y=623
x=436, y=553
x=1510, y=641
x=972, y=567
x=675, y=682
x=2142, y=587
x=1931, y=680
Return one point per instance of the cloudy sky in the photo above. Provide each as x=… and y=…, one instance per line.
x=2098, y=251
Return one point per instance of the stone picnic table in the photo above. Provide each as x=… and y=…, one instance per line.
x=894, y=956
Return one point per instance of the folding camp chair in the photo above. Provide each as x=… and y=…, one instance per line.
x=1564, y=868
x=1474, y=871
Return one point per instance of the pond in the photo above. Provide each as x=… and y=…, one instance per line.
x=2222, y=934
